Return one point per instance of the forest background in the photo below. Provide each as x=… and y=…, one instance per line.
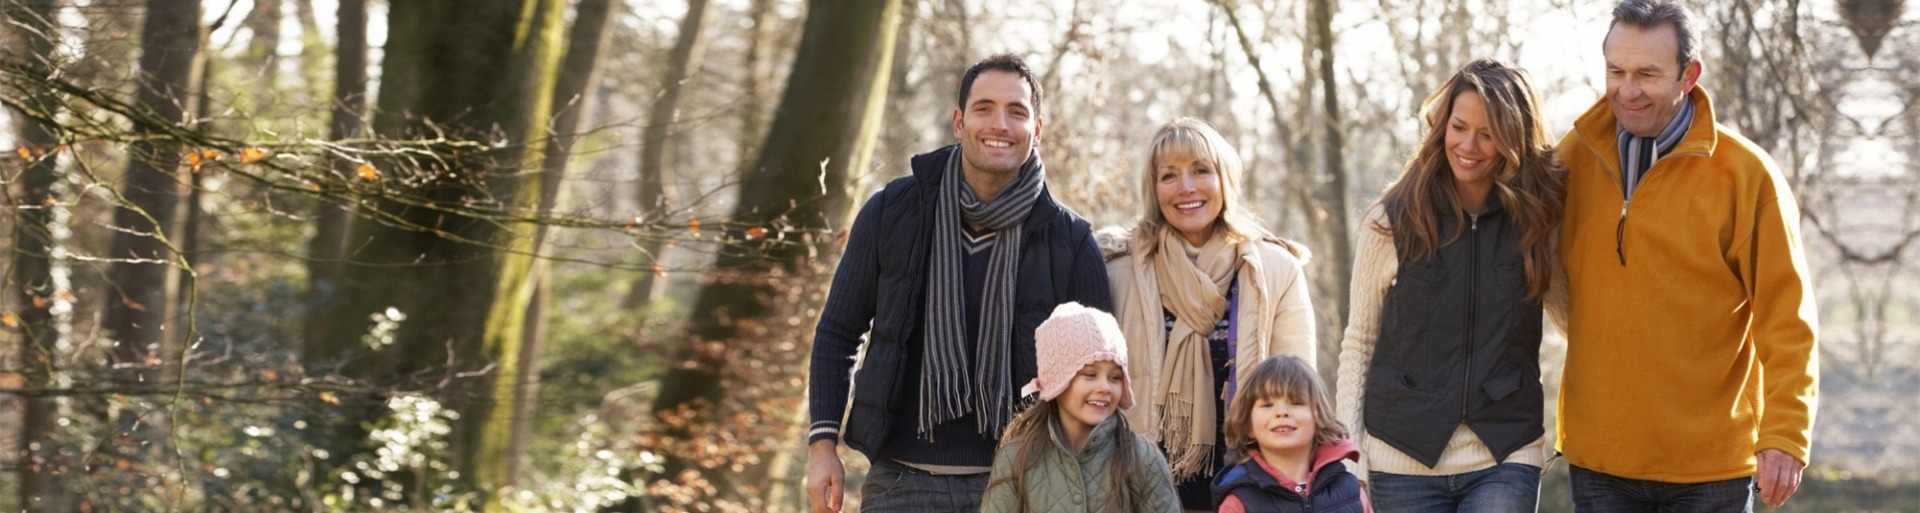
x=566, y=255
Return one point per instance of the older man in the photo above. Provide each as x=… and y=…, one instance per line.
x=1691, y=362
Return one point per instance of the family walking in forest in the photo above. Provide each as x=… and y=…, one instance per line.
x=1012, y=358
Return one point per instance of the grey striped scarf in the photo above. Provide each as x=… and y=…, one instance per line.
x=952, y=382
x=1637, y=154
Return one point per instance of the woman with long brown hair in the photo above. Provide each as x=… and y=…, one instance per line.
x=1439, y=370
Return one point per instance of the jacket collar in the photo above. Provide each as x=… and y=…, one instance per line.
x=931, y=167
x=1322, y=456
x=1095, y=439
x=1600, y=130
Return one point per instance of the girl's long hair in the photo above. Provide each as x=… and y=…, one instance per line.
x=1281, y=378
x=1029, y=429
x=1530, y=182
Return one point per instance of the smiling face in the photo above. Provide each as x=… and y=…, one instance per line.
x=1283, y=427
x=1091, y=397
x=1645, y=80
x=1187, y=187
x=1471, y=151
x=997, y=126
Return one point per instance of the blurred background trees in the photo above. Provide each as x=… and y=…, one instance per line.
x=361, y=255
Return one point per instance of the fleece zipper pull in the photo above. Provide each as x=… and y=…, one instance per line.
x=1620, y=233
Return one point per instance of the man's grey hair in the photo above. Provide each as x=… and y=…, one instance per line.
x=1648, y=14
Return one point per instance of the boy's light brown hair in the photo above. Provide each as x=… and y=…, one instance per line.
x=1280, y=378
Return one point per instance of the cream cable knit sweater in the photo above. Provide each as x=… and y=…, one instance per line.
x=1373, y=271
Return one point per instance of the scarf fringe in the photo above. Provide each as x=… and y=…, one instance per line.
x=1188, y=453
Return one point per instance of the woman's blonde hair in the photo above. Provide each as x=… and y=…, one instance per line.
x=1190, y=136
x=1280, y=378
x=1529, y=182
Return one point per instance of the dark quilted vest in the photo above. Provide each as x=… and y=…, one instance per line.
x=1459, y=343
x=1334, y=490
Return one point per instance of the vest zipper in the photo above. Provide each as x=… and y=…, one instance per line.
x=1473, y=271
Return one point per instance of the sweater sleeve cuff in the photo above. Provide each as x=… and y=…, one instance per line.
x=1797, y=450
x=823, y=430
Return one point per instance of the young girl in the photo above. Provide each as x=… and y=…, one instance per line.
x=1070, y=452
x=1288, y=446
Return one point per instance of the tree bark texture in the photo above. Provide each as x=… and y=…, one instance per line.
x=796, y=191
x=444, y=242
x=1330, y=192
x=145, y=254
x=332, y=215
x=38, y=281
x=579, y=71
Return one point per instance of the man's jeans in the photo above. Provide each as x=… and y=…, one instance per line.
x=1503, y=488
x=1594, y=492
x=892, y=487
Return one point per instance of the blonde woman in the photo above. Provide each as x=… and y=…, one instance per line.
x=1203, y=293
x=1439, y=370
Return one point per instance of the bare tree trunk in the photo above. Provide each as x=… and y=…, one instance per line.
x=467, y=71
x=1331, y=193
x=1296, y=183
x=39, y=279
x=682, y=63
x=309, y=23
x=753, y=110
x=829, y=113
x=140, y=276
x=1320, y=197
x=263, y=47
x=332, y=217
x=579, y=71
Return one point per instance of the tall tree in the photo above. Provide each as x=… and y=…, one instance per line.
x=579, y=71
x=662, y=120
x=1318, y=193
x=38, y=281
x=150, y=197
x=263, y=43
x=332, y=217
x=447, y=242
x=796, y=191
x=1330, y=191
x=754, y=92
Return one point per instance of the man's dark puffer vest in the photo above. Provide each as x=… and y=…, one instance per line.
x=1058, y=263
x=1334, y=490
x=1459, y=343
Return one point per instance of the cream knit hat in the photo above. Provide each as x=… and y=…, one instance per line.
x=1071, y=338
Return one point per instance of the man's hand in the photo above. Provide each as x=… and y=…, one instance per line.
x=1778, y=476
x=827, y=479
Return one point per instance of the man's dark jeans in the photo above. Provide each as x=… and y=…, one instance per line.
x=1594, y=492
x=892, y=487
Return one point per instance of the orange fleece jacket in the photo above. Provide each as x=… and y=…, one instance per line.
x=1699, y=350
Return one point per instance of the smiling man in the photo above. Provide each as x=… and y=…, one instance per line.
x=947, y=273
x=1691, y=328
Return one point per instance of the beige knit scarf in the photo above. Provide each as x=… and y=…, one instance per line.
x=1194, y=288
